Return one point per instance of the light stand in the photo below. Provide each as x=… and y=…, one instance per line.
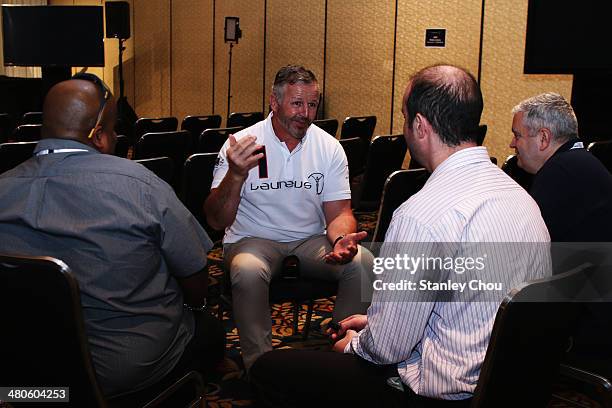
x=126, y=117
x=232, y=35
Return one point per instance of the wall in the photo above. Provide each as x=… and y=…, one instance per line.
x=363, y=53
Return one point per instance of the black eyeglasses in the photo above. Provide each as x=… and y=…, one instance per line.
x=104, y=90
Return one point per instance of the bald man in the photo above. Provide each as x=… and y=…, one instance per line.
x=136, y=251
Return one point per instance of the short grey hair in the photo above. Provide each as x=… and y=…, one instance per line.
x=549, y=110
x=291, y=74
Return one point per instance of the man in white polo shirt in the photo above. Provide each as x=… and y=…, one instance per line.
x=292, y=198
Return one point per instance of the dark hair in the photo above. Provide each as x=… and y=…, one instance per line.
x=451, y=100
x=291, y=74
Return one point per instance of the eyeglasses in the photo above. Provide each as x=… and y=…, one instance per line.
x=104, y=90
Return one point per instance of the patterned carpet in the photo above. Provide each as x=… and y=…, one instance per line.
x=228, y=387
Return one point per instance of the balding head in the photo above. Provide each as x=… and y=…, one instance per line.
x=71, y=110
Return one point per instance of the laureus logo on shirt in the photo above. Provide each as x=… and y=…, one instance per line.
x=313, y=180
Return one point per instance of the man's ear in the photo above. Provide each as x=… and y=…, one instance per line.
x=544, y=138
x=273, y=102
x=421, y=126
x=97, y=138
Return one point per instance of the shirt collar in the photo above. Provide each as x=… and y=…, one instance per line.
x=53, y=144
x=464, y=157
x=571, y=144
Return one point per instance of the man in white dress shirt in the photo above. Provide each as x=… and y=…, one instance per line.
x=427, y=340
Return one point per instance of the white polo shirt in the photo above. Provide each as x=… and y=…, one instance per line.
x=287, y=205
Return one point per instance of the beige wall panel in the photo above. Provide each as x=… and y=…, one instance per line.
x=247, y=58
x=462, y=22
x=359, y=60
x=192, y=53
x=502, y=79
x=294, y=38
x=152, y=57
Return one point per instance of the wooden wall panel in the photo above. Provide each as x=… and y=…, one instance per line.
x=359, y=63
x=247, y=59
x=152, y=57
x=502, y=79
x=192, y=57
x=294, y=38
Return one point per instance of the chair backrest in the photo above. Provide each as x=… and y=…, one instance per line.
x=482, y=132
x=399, y=187
x=197, y=179
x=43, y=336
x=196, y=124
x=603, y=151
x=31, y=118
x=5, y=127
x=122, y=147
x=354, y=149
x=243, y=119
x=385, y=155
x=27, y=133
x=358, y=126
x=153, y=125
x=531, y=332
x=211, y=140
x=328, y=125
x=511, y=168
x=175, y=145
x=163, y=167
x=13, y=154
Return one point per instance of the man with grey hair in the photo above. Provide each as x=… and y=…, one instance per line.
x=571, y=186
x=281, y=188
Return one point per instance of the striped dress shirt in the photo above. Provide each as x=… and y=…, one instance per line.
x=439, y=344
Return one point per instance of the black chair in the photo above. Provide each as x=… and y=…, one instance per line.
x=122, y=148
x=161, y=166
x=328, y=125
x=154, y=125
x=27, y=133
x=354, y=148
x=175, y=145
x=243, y=119
x=531, y=332
x=211, y=140
x=385, y=155
x=197, y=179
x=511, y=168
x=399, y=187
x=5, y=127
x=358, y=126
x=482, y=132
x=197, y=124
x=603, y=151
x=13, y=154
x=44, y=340
x=31, y=118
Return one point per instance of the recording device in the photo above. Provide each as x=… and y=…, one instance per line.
x=262, y=163
x=334, y=326
x=232, y=29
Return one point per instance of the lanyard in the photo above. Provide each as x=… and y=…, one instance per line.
x=577, y=145
x=52, y=151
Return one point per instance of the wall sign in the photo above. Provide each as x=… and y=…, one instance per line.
x=435, y=37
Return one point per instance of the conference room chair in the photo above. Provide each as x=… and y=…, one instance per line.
x=122, y=147
x=399, y=187
x=211, y=140
x=385, y=155
x=328, y=125
x=197, y=179
x=532, y=330
x=482, y=133
x=175, y=145
x=44, y=342
x=354, y=148
x=244, y=119
x=5, y=127
x=511, y=168
x=31, y=118
x=358, y=126
x=27, y=133
x=161, y=166
x=13, y=154
x=602, y=149
x=196, y=124
x=154, y=125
